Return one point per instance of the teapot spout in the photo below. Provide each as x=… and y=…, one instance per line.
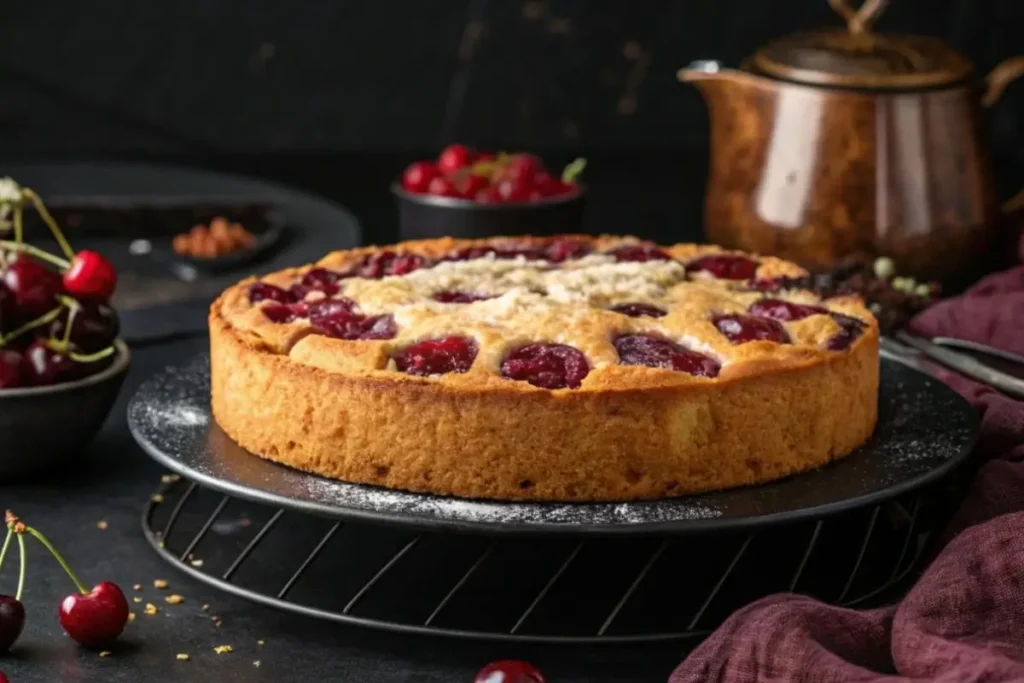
x=708, y=75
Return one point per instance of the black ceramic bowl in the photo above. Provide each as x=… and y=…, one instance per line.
x=422, y=216
x=42, y=428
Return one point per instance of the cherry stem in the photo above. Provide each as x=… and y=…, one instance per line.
x=44, y=319
x=37, y=252
x=19, y=227
x=60, y=558
x=7, y=544
x=573, y=170
x=72, y=312
x=50, y=223
x=21, y=570
x=92, y=357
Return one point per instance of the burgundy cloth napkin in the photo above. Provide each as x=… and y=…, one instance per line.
x=964, y=620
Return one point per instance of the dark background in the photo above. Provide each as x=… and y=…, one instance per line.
x=218, y=81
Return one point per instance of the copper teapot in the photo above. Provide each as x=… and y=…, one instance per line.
x=840, y=143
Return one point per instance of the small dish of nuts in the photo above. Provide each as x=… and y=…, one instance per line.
x=219, y=238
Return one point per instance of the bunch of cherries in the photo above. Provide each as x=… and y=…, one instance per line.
x=56, y=323
x=93, y=618
x=488, y=178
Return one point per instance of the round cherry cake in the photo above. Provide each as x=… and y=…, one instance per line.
x=569, y=368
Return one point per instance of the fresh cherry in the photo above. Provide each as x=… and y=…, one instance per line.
x=454, y=157
x=509, y=671
x=4, y=678
x=12, y=369
x=513, y=190
x=12, y=621
x=725, y=266
x=34, y=287
x=655, y=352
x=637, y=310
x=549, y=366
x=524, y=168
x=95, y=618
x=442, y=187
x=472, y=186
x=740, y=329
x=850, y=329
x=489, y=195
x=457, y=297
x=44, y=366
x=437, y=356
x=639, y=253
x=7, y=310
x=261, y=291
x=90, y=276
x=786, y=311
x=95, y=326
x=417, y=176
x=567, y=250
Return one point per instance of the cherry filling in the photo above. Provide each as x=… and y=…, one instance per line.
x=776, y=309
x=337, y=318
x=437, y=356
x=385, y=263
x=779, y=284
x=261, y=291
x=506, y=250
x=284, y=313
x=567, y=250
x=638, y=310
x=850, y=329
x=725, y=266
x=548, y=366
x=452, y=296
x=639, y=253
x=654, y=352
x=740, y=329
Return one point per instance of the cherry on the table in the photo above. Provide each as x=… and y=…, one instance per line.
x=509, y=671
x=12, y=621
x=95, y=618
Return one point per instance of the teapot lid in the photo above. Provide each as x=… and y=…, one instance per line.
x=858, y=58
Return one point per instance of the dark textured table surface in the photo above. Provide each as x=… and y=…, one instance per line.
x=115, y=479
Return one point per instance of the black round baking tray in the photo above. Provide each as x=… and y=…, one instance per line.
x=924, y=430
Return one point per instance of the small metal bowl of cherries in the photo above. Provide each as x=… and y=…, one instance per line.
x=466, y=193
x=61, y=360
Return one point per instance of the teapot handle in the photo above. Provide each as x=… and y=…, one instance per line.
x=859, y=20
x=996, y=82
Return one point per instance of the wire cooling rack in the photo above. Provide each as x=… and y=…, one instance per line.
x=540, y=589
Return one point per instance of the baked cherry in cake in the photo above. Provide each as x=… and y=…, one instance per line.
x=558, y=368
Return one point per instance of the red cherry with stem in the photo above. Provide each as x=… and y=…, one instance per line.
x=442, y=187
x=509, y=671
x=90, y=276
x=94, y=326
x=473, y=185
x=33, y=286
x=524, y=167
x=12, y=371
x=92, y=618
x=511, y=190
x=12, y=621
x=417, y=176
x=44, y=366
x=454, y=157
x=97, y=617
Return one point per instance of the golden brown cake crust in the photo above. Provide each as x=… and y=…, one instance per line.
x=339, y=408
